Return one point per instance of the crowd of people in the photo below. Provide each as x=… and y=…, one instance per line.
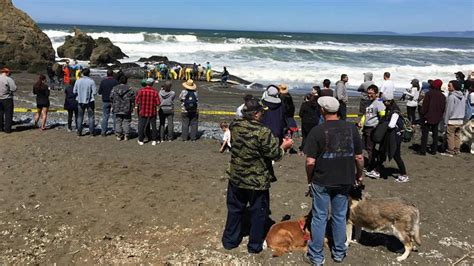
x=333, y=148
x=119, y=101
x=262, y=133
x=197, y=72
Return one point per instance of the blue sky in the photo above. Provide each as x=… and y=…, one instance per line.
x=404, y=16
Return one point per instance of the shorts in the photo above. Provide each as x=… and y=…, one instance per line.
x=40, y=106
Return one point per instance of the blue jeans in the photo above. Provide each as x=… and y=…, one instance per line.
x=338, y=198
x=90, y=114
x=106, y=107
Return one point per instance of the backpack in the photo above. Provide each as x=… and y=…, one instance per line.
x=469, y=109
x=406, y=128
x=190, y=102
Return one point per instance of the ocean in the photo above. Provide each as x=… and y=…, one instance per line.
x=299, y=59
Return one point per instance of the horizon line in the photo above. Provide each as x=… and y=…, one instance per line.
x=376, y=33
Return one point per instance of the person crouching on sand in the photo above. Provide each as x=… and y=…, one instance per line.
x=226, y=138
x=41, y=90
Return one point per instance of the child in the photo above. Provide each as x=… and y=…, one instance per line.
x=226, y=138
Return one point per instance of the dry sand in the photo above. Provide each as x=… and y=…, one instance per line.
x=71, y=200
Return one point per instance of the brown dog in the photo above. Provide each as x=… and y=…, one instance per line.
x=392, y=214
x=288, y=236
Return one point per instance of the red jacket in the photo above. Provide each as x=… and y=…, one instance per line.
x=147, y=101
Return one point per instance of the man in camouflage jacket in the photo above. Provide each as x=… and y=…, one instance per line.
x=250, y=173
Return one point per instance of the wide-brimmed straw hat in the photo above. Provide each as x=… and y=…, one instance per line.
x=283, y=88
x=189, y=85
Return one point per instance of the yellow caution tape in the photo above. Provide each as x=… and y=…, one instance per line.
x=203, y=112
x=28, y=110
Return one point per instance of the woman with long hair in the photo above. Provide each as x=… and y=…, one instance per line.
x=41, y=90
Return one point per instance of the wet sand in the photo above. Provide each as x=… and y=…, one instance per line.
x=71, y=200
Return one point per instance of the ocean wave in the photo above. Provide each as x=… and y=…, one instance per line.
x=152, y=37
x=314, y=74
x=241, y=43
x=294, y=61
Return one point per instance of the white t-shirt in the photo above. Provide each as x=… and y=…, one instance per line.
x=227, y=137
x=387, y=88
x=238, y=112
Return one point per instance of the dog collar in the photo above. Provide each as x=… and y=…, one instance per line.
x=306, y=234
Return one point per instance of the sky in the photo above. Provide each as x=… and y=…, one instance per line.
x=338, y=16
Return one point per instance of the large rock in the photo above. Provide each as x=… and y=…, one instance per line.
x=78, y=47
x=105, y=52
x=154, y=58
x=22, y=43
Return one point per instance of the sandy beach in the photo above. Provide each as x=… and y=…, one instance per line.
x=81, y=200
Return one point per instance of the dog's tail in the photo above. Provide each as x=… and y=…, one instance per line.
x=416, y=227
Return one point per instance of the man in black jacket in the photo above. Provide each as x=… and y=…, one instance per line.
x=105, y=88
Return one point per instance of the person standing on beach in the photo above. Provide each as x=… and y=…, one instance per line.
x=147, y=101
x=327, y=91
x=454, y=117
x=288, y=108
x=238, y=112
x=66, y=73
x=166, y=111
x=341, y=96
x=364, y=99
x=86, y=91
x=390, y=146
x=123, y=99
x=310, y=116
x=7, y=87
x=224, y=77
x=189, y=111
x=334, y=163
x=412, y=96
x=41, y=90
x=51, y=74
x=71, y=105
x=387, y=88
x=106, y=86
x=432, y=111
x=274, y=117
x=208, y=72
x=369, y=121
x=250, y=172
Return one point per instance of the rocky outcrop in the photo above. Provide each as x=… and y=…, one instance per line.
x=154, y=58
x=83, y=47
x=78, y=47
x=105, y=53
x=22, y=43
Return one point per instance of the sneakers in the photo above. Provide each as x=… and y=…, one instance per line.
x=372, y=174
x=338, y=260
x=402, y=179
x=153, y=143
x=140, y=143
x=308, y=260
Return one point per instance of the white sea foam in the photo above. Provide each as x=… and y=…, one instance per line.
x=237, y=55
